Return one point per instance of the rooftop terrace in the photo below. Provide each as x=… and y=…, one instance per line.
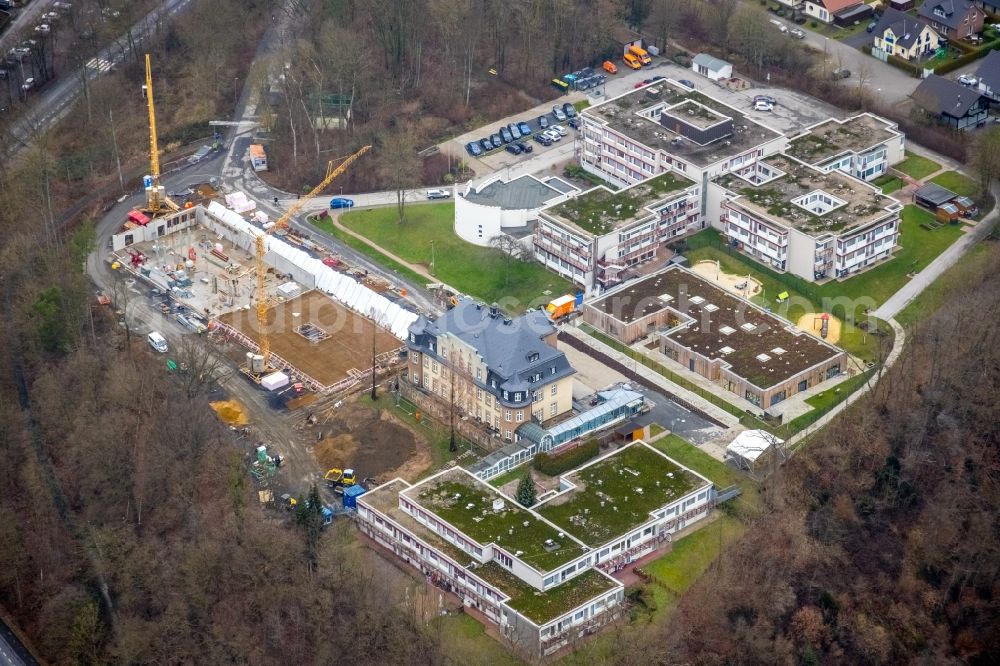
x=758, y=346
x=833, y=138
x=618, y=494
x=467, y=503
x=599, y=210
x=622, y=114
x=803, y=198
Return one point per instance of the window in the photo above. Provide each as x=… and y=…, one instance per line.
x=507, y=435
x=555, y=389
x=520, y=415
x=506, y=415
x=536, y=396
x=506, y=396
x=517, y=396
x=553, y=409
x=479, y=374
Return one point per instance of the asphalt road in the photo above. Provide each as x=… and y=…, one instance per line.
x=23, y=17
x=57, y=98
x=12, y=652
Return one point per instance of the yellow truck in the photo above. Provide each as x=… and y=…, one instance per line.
x=640, y=54
x=561, y=307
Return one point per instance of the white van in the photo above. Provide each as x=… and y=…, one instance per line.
x=779, y=25
x=157, y=342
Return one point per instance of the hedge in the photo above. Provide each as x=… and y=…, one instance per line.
x=554, y=465
x=966, y=58
x=904, y=65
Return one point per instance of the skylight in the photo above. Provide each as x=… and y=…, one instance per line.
x=763, y=358
x=818, y=202
x=727, y=330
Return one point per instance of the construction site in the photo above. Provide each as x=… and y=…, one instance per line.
x=305, y=334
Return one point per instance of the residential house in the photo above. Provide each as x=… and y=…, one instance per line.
x=954, y=19
x=902, y=5
x=991, y=7
x=988, y=74
x=825, y=10
x=712, y=67
x=500, y=371
x=597, y=237
x=798, y=219
x=539, y=576
x=863, y=146
x=903, y=36
x=951, y=103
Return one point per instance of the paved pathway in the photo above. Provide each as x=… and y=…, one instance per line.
x=943, y=262
x=890, y=360
x=416, y=268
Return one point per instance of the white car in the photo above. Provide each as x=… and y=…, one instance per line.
x=561, y=130
x=438, y=194
x=552, y=134
x=28, y=84
x=43, y=28
x=762, y=105
x=968, y=80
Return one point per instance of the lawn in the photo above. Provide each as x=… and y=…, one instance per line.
x=888, y=183
x=918, y=247
x=478, y=271
x=505, y=478
x=692, y=555
x=917, y=167
x=976, y=260
x=464, y=638
x=957, y=183
x=694, y=458
x=326, y=224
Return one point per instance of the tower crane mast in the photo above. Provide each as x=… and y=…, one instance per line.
x=263, y=341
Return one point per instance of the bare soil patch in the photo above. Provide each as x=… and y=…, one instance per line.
x=230, y=412
x=327, y=361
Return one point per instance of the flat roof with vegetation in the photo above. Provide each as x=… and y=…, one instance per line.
x=758, y=346
x=618, y=494
x=542, y=607
x=833, y=137
x=857, y=203
x=599, y=210
x=465, y=502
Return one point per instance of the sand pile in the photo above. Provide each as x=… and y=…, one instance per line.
x=230, y=411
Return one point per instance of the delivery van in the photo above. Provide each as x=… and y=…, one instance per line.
x=632, y=61
x=157, y=342
x=641, y=54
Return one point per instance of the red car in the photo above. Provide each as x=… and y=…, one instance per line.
x=640, y=84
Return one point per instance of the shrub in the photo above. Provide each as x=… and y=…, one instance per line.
x=554, y=465
x=904, y=65
x=813, y=25
x=526, y=494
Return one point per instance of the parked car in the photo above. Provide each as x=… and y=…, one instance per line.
x=610, y=67
x=486, y=145
x=543, y=139
x=473, y=149
x=841, y=73
x=871, y=25
x=438, y=194
x=797, y=33
x=574, y=123
x=514, y=132
x=505, y=135
x=569, y=110
x=513, y=149
x=968, y=80
x=543, y=122
x=640, y=84
x=686, y=83
x=761, y=105
x=42, y=28
x=657, y=78
x=525, y=147
x=341, y=202
x=28, y=84
x=560, y=129
x=553, y=135
x=525, y=128
x=764, y=98
x=497, y=140
x=558, y=113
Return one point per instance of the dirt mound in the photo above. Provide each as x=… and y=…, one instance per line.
x=230, y=411
x=337, y=451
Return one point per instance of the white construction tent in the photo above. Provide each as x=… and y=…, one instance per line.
x=310, y=272
x=750, y=445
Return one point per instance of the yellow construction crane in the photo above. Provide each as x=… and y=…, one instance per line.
x=155, y=199
x=282, y=223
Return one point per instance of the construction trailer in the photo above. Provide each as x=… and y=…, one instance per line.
x=258, y=158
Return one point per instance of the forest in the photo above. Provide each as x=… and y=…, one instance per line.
x=129, y=532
